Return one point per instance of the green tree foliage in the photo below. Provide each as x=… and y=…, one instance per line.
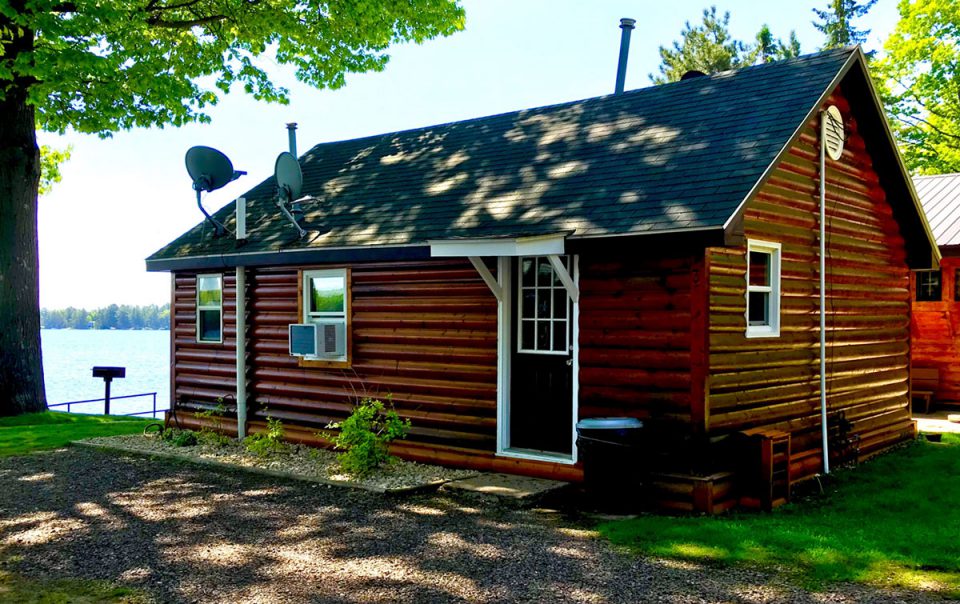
x=920, y=73
x=109, y=317
x=50, y=160
x=768, y=49
x=709, y=47
x=98, y=66
x=836, y=22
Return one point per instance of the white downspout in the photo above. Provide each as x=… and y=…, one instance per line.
x=823, y=290
x=241, y=352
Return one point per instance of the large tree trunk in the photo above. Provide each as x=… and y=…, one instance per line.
x=21, y=370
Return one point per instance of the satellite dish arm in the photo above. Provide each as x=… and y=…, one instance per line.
x=282, y=204
x=218, y=229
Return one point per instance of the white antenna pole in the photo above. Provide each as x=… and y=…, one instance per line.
x=823, y=290
x=241, y=352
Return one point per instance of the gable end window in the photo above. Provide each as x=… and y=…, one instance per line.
x=210, y=308
x=326, y=304
x=929, y=286
x=763, y=289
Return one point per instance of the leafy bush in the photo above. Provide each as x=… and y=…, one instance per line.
x=364, y=436
x=265, y=444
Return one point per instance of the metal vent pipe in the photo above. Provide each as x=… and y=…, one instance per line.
x=626, y=26
x=292, y=135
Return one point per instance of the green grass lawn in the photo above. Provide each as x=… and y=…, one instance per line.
x=14, y=588
x=49, y=430
x=893, y=522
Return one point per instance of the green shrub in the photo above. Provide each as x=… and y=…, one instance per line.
x=364, y=436
x=265, y=444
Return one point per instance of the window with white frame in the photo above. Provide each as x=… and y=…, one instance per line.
x=210, y=308
x=543, y=319
x=326, y=304
x=763, y=289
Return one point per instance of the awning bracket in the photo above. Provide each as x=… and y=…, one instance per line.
x=487, y=276
x=558, y=267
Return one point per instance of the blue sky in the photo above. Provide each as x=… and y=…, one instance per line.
x=123, y=198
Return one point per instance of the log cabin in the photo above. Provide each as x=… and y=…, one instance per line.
x=935, y=319
x=651, y=254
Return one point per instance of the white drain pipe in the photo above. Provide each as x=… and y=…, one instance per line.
x=823, y=290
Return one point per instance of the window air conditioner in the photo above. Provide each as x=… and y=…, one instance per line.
x=326, y=339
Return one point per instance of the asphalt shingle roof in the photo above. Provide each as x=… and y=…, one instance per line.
x=673, y=157
x=940, y=198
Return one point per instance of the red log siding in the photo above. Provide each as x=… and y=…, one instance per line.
x=935, y=331
x=774, y=382
x=202, y=371
x=424, y=333
x=635, y=335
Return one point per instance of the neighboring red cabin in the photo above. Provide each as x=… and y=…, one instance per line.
x=653, y=254
x=935, y=323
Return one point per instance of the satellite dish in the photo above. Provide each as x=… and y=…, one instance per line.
x=210, y=170
x=289, y=186
x=832, y=132
x=289, y=176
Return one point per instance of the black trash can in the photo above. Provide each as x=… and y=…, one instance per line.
x=611, y=449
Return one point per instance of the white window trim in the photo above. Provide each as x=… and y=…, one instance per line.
x=773, y=329
x=309, y=317
x=218, y=307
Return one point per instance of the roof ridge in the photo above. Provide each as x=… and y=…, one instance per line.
x=609, y=96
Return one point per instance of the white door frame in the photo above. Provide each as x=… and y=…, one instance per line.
x=504, y=356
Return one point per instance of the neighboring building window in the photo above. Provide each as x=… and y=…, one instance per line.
x=956, y=285
x=544, y=317
x=763, y=289
x=209, y=308
x=929, y=286
x=326, y=304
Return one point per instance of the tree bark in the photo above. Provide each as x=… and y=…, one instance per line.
x=21, y=368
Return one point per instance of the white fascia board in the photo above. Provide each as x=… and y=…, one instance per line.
x=500, y=246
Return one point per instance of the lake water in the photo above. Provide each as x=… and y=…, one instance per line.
x=69, y=355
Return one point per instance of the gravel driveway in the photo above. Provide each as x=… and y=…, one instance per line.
x=190, y=534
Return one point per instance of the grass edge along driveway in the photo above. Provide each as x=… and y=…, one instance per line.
x=892, y=522
x=23, y=434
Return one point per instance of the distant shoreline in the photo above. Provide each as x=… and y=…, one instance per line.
x=110, y=329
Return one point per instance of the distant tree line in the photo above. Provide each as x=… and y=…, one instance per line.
x=110, y=317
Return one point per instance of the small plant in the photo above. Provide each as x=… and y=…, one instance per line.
x=364, y=436
x=270, y=442
x=214, y=436
x=179, y=438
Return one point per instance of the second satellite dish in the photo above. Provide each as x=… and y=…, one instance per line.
x=289, y=186
x=289, y=176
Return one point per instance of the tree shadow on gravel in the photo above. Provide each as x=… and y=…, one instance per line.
x=190, y=534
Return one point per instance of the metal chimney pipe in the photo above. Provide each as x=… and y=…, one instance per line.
x=292, y=135
x=626, y=26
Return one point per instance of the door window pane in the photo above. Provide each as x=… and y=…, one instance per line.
x=544, y=308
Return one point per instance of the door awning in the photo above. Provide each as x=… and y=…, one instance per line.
x=540, y=245
x=551, y=246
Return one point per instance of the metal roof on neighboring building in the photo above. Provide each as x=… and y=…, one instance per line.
x=940, y=197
